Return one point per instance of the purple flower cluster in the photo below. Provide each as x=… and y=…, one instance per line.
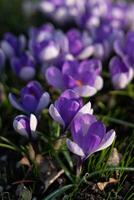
x=84, y=77
x=89, y=134
x=71, y=60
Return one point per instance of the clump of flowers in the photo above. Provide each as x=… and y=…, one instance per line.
x=67, y=107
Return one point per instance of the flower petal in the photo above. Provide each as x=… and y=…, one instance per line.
x=8, y=50
x=29, y=103
x=54, y=77
x=86, y=53
x=86, y=109
x=18, y=126
x=55, y=115
x=49, y=53
x=27, y=73
x=44, y=101
x=98, y=83
x=15, y=102
x=33, y=122
x=74, y=148
x=85, y=91
x=107, y=140
x=120, y=81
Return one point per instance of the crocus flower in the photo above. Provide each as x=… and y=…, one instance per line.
x=2, y=59
x=32, y=98
x=24, y=66
x=62, y=11
x=121, y=73
x=67, y=107
x=46, y=43
x=80, y=44
x=89, y=136
x=93, y=12
x=25, y=126
x=12, y=45
x=83, y=77
x=124, y=48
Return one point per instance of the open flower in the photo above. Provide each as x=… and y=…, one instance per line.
x=121, y=73
x=46, y=43
x=84, y=77
x=89, y=136
x=13, y=46
x=25, y=126
x=80, y=44
x=24, y=66
x=32, y=98
x=67, y=107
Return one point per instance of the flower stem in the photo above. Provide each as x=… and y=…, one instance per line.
x=79, y=167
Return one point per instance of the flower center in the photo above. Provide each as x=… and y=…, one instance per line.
x=79, y=83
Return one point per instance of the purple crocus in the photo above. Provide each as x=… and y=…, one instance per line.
x=62, y=11
x=25, y=126
x=124, y=48
x=24, y=66
x=80, y=44
x=2, y=59
x=89, y=136
x=120, y=72
x=12, y=45
x=83, y=77
x=46, y=43
x=67, y=107
x=32, y=98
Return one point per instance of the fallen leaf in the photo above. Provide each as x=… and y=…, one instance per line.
x=102, y=185
x=24, y=161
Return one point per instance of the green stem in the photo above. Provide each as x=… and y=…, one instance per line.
x=118, y=121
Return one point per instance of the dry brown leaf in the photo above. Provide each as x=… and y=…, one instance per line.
x=114, y=158
x=24, y=161
x=102, y=185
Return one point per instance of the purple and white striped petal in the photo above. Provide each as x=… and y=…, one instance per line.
x=15, y=102
x=107, y=140
x=74, y=148
x=55, y=115
x=85, y=91
x=43, y=102
x=19, y=126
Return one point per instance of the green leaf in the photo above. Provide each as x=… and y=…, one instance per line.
x=58, y=193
